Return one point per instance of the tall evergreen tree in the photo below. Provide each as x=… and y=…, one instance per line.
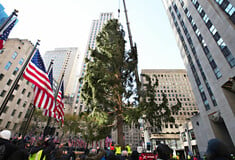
x=110, y=86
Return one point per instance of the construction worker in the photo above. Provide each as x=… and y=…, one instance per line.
x=128, y=148
x=118, y=150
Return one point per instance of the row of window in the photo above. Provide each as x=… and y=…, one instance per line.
x=184, y=113
x=191, y=135
x=172, y=95
x=198, y=82
x=211, y=60
x=172, y=75
x=200, y=39
x=9, y=124
x=8, y=65
x=215, y=34
x=228, y=8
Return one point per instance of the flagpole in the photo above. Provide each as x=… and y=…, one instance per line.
x=14, y=13
x=49, y=68
x=26, y=126
x=6, y=99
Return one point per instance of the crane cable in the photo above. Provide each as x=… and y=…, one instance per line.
x=118, y=10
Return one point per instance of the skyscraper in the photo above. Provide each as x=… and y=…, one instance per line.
x=96, y=27
x=204, y=31
x=65, y=60
x=175, y=84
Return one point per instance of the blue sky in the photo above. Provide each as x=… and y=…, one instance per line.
x=66, y=23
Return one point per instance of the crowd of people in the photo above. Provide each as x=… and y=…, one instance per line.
x=28, y=148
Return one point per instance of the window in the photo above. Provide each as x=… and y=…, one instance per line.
x=9, y=82
x=8, y=65
x=183, y=136
x=19, y=115
x=8, y=125
x=18, y=101
x=192, y=135
x=13, y=112
x=1, y=76
x=23, y=91
x=3, y=93
x=14, y=55
x=208, y=24
x=21, y=61
x=25, y=103
x=29, y=94
x=15, y=71
x=224, y=4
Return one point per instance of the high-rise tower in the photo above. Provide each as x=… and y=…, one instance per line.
x=96, y=27
x=204, y=31
x=65, y=60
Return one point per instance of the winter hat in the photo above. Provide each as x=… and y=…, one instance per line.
x=93, y=150
x=5, y=134
x=216, y=148
x=124, y=153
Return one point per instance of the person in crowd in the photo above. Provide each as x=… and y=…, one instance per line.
x=134, y=155
x=112, y=148
x=112, y=157
x=35, y=150
x=6, y=148
x=164, y=152
x=217, y=150
x=84, y=155
x=48, y=147
x=94, y=156
x=118, y=150
x=24, y=149
x=128, y=148
x=69, y=153
x=108, y=152
x=124, y=155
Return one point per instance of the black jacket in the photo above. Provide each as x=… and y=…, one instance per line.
x=9, y=148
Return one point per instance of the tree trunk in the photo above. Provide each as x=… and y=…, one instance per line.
x=120, y=133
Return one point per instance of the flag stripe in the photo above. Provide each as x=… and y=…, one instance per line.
x=36, y=77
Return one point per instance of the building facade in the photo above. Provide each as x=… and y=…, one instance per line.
x=204, y=31
x=96, y=27
x=174, y=83
x=188, y=139
x=19, y=106
x=65, y=60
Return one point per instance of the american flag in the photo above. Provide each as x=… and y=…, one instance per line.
x=46, y=112
x=6, y=31
x=60, y=103
x=58, y=113
x=36, y=73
